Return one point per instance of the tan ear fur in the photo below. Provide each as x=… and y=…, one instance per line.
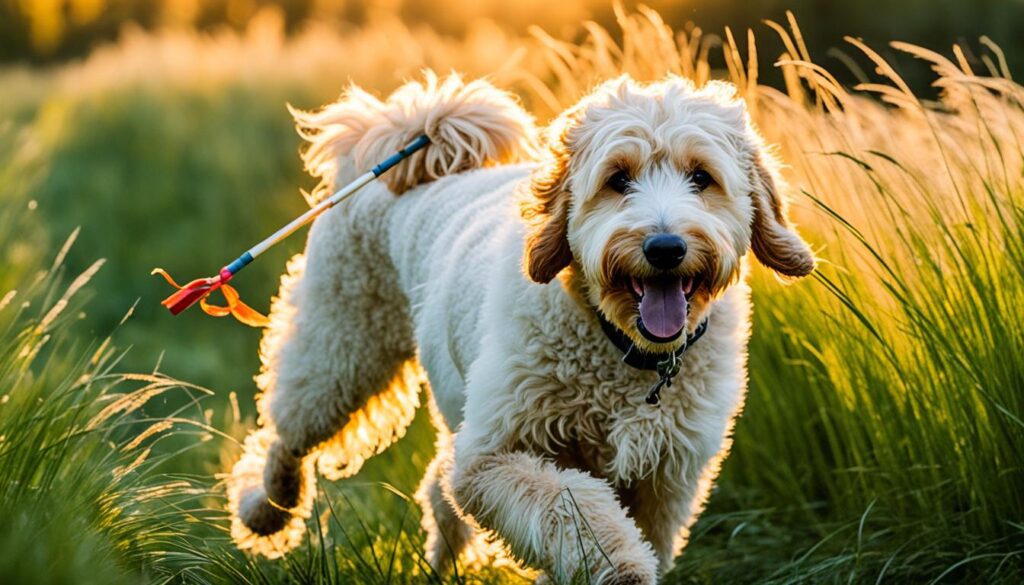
x=546, y=210
x=546, y=206
x=774, y=241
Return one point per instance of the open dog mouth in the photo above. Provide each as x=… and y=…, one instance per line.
x=664, y=303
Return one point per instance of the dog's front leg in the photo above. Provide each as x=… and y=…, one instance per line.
x=563, y=521
x=664, y=515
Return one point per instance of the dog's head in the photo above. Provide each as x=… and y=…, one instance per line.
x=653, y=193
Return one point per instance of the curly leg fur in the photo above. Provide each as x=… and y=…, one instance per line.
x=450, y=538
x=447, y=533
x=554, y=518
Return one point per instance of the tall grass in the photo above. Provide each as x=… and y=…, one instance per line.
x=882, y=435
x=72, y=464
x=49, y=496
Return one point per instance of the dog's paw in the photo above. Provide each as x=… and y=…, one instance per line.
x=623, y=577
x=630, y=577
x=629, y=573
x=259, y=515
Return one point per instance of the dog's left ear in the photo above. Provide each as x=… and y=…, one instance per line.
x=774, y=241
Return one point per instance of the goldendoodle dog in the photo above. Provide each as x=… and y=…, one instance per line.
x=577, y=304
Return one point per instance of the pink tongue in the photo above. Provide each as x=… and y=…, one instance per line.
x=663, y=306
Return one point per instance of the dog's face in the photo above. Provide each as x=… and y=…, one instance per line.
x=653, y=194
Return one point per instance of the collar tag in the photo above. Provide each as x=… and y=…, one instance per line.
x=667, y=370
x=666, y=364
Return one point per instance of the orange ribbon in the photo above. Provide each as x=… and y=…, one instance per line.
x=234, y=307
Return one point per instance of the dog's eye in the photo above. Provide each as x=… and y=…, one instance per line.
x=701, y=179
x=619, y=182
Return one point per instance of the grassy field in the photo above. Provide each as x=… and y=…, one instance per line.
x=882, y=437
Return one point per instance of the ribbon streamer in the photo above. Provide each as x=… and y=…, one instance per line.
x=202, y=288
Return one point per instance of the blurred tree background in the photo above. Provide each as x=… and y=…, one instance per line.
x=42, y=31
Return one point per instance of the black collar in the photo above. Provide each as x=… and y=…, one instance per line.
x=638, y=358
x=666, y=364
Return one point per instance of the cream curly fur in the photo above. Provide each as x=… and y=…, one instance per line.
x=488, y=274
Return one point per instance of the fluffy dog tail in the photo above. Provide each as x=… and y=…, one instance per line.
x=470, y=125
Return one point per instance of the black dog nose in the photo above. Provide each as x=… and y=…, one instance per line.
x=664, y=251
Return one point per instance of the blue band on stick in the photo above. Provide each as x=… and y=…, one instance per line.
x=240, y=263
x=400, y=155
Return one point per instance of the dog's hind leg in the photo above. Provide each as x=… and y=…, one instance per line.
x=447, y=533
x=339, y=377
x=450, y=538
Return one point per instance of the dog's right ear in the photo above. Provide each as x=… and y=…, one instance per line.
x=546, y=209
x=546, y=206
